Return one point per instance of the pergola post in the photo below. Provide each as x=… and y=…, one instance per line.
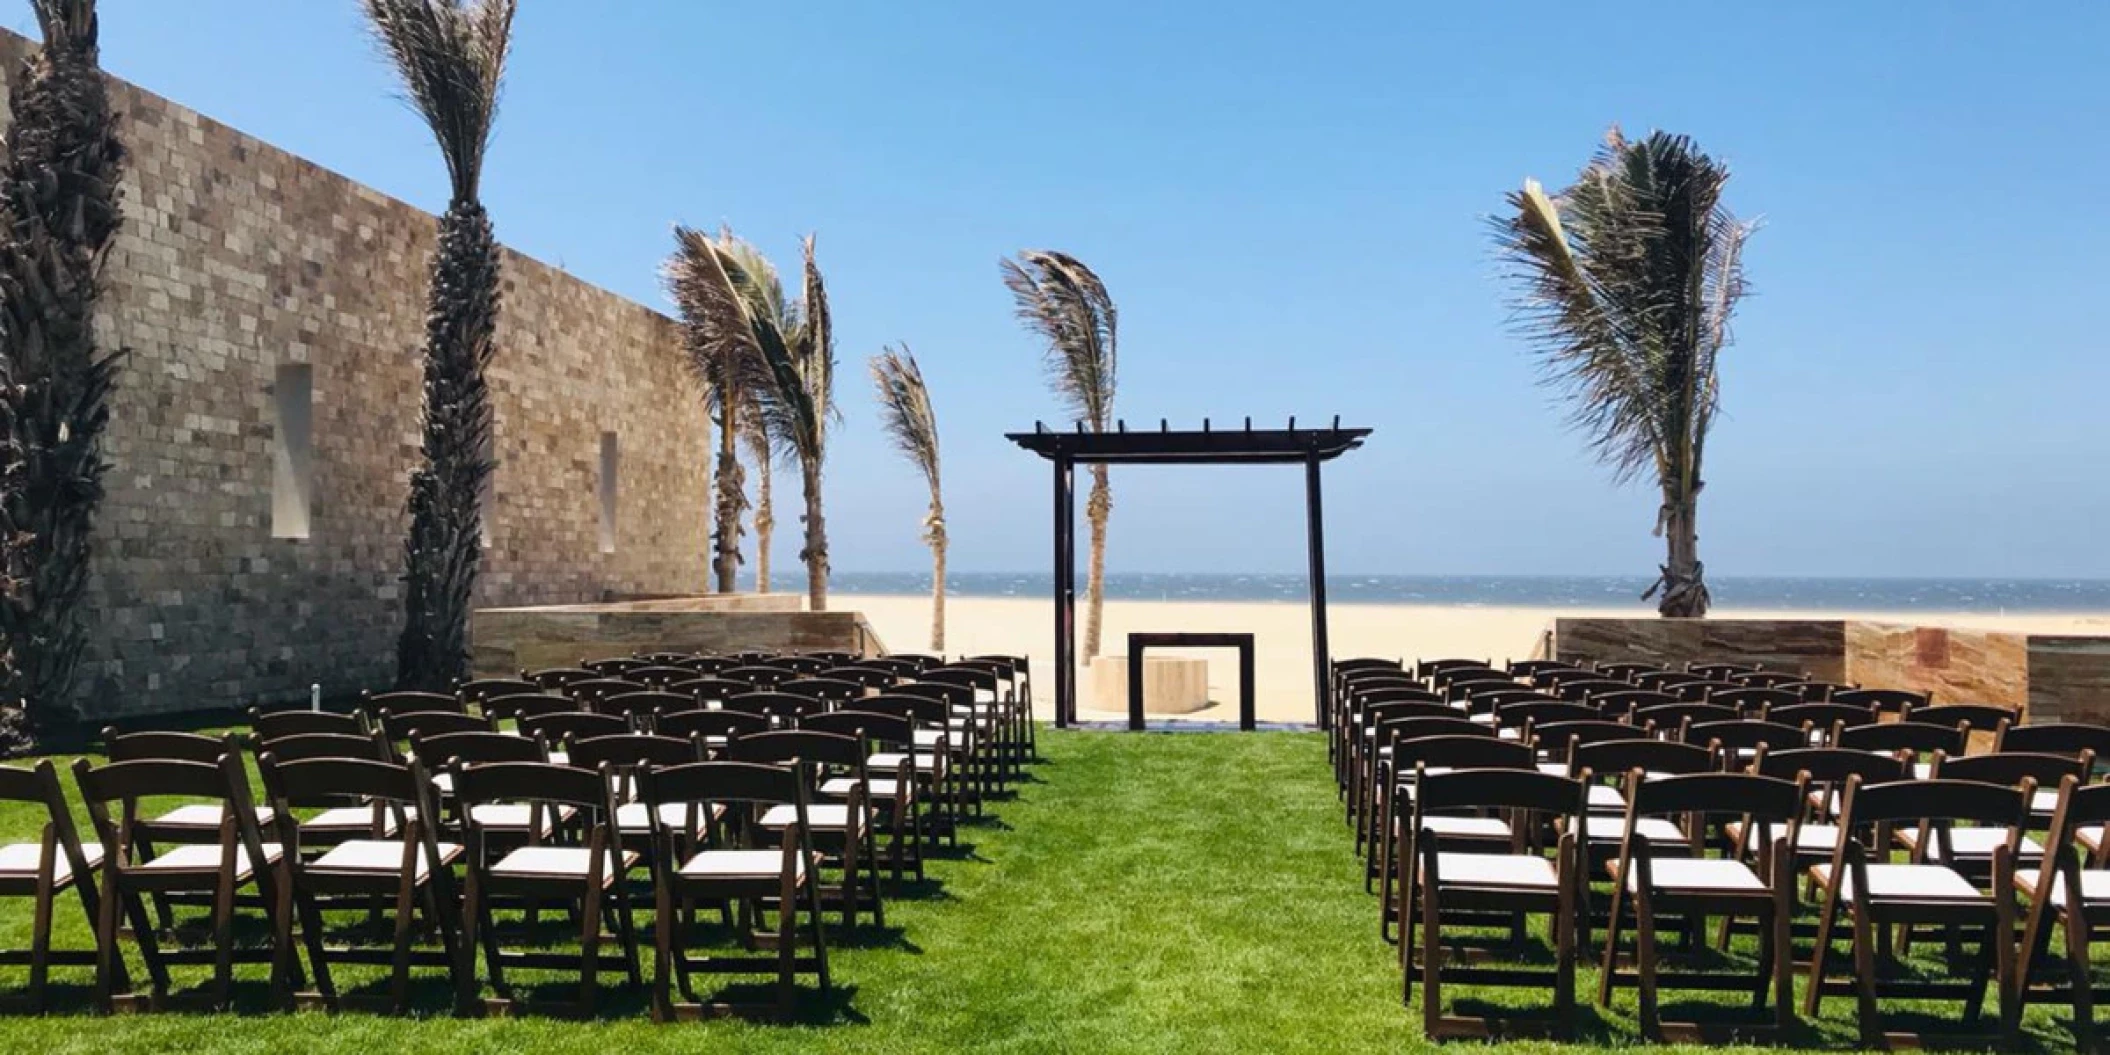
x=1315, y=532
x=1065, y=593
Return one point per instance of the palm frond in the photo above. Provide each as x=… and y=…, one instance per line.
x=1626, y=284
x=451, y=55
x=714, y=309
x=905, y=412
x=1066, y=304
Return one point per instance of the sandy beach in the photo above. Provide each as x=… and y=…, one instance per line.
x=1282, y=635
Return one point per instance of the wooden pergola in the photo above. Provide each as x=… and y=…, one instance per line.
x=1205, y=446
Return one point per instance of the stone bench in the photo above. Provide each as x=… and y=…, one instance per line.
x=1171, y=684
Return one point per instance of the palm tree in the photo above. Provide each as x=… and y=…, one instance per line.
x=451, y=55
x=722, y=351
x=1063, y=302
x=1628, y=281
x=905, y=412
x=58, y=216
x=756, y=436
x=778, y=356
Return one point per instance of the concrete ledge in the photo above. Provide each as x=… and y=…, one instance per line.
x=508, y=640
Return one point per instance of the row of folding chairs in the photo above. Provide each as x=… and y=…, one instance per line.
x=757, y=818
x=1603, y=820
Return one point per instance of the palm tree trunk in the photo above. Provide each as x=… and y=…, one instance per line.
x=937, y=575
x=1096, y=509
x=815, y=554
x=1684, y=591
x=725, y=560
x=445, y=546
x=765, y=523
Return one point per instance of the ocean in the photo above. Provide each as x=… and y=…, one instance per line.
x=1552, y=591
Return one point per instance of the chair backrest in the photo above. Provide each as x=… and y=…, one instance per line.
x=299, y=782
x=780, y=705
x=1529, y=791
x=2013, y=767
x=1461, y=684
x=1822, y=716
x=1433, y=669
x=1833, y=765
x=2062, y=738
x=1367, y=694
x=875, y=728
x=752, y=657
x=1746, y=733
x=931, y=712
x=955, y=695
x=1481, y=700
x=1668, y=681
x=1756, y=700
x=1529, y=668
x=746, y=788
x=1981, y=717
x=160, y=744
x=627, y=751
x=555, y=679
x=613, y=666
x=913, y=662
x=2081, y=805
x=1339, y=667
x=1719, y=671
x=710, y=689
x=594, y=690
x=838, y=658
x=802, y=666
x=1518, y=715
x=223, y=781
x=1627, y=701
x=1888, y=701
x=1701, y=691
x=267, y=726
x=1581, y=689
x=1766, y=801
x=710, y=724
x=1378, y=713
x=1400, y=730
x=559, y=726
x=1557, y=739
x=448, y=749
x=867, y=677
x=1626, y=671
x=1936, y=800
x=1763, y=679
x=1461, y=752
x=827, y=689
x=969, y=677
x=1613, y=759
x=758, y=677
x=484, y=690
x=302, y=747
x=706, y=665
x=642, y=705
x=783, y=746
x=1675, y=715
x=1553, y=680
x=477, y=784
x=402, y=726
x=408, y=701
x=666, y=659
x=1905, y=736
x=658, y=677
x=1814, y=691
x=520, y=708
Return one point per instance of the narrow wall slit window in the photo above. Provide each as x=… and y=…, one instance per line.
x=293, y=451
x=608, y=491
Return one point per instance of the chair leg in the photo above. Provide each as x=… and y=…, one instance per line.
x=1813, y=992
x=590, y=942
x=788, y=952
x=1615, y=920
x=2084, y=1029
x=663, y=921
x=1645, y=963
x=1869, y=1015
x=2002, y=938
x=406, y=915
x=1431, y=963
x=223, y=943
x=40, y=947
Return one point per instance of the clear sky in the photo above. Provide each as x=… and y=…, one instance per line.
x=1289, y=203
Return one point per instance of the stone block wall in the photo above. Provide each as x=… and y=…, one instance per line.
x=236, y=258
x=1817, y=646
x=1955, y=664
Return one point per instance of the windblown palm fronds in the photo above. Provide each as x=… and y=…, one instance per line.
x=451, y=56
x=1065, y=304
x=59, y=214
x=727, y=360
x=906, y=415
x=1627, y=283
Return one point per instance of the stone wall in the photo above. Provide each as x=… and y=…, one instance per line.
x=1955, y=665
x=511, y=640
x=1817, y=646
x=236, y=259
x=2069, y=679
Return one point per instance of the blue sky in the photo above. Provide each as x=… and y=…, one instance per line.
x=1289, y=203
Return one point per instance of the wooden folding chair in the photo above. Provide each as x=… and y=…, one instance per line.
x=843, y=832
x=739, y=867
x=192, y=823
x=412, y=867
x=1495, y=885
x=1412, y=757
x=623, y=756
x=43, y=870
x=265, y=726
x=219, y=870
x=592, y=875
x=2069, y=891
x=892, y=793
x=935, y=764
x=1690, y=883
x=715, y=727
x=1868, y=894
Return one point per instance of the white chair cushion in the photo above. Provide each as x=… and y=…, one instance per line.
x=821, y=816
x=354, y=819
x=204, y=815
x=1700, y=875
x=1497, y=871
x=198, y=857
x=1467, y=827
x=1974, y=843
x=1906, y=883
x=378, y=857
x=1605, y=828
x=632, y=816
x=740, y=864
x=2095, y=889
x=516, y=816
x=18, y=860
x=876, y=788
x=560, y=861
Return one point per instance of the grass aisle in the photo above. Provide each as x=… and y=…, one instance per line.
x=1147, y=893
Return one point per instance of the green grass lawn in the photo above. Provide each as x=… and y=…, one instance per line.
x=1169, y=893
